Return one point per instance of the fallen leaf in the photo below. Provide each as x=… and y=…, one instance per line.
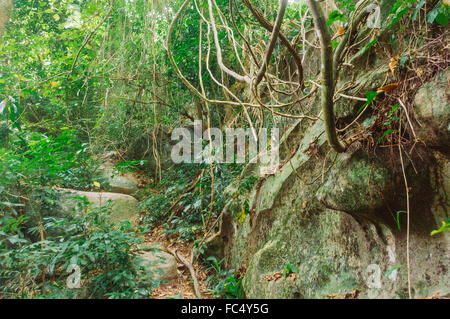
x=393, y=64
x=273, y=277
x=388, y=87
x=352, y=295
x=419, y=71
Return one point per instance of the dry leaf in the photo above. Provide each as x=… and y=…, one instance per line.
x=419, y=71
x=388, y=87
x=393, y=64
x=339, y=32
x=273, y=277
x=278, y=275
x=352, y=295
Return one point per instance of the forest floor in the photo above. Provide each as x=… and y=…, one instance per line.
x=181, y=287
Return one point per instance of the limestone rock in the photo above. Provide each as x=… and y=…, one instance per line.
x=432, y=106
x=354, y=187
x=341, y=233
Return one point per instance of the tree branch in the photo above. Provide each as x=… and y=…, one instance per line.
x=337, y=57
x=269, y=27
x=327, y=76
x=272, y=41
x=231, y=73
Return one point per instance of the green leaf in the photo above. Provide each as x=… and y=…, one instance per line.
x=289, y=269
x=393, y=109
x=391, y=270
x=445, y=227
x=384, y=134
x=416, y=11
x=369, y=45
x=334, y=44
x=399, y=16
x=370, y=96
x=403, y=59
x=434, y=13
x=398, y=217
x=442, y=19
x=335, y=16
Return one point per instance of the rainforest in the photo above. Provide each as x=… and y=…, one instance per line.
x=224, y=149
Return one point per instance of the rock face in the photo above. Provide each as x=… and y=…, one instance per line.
x=337, y=224
x=123, y=207
x=432, y=105
x=160, y=265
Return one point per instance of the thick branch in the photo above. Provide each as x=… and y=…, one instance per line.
x=272, y=40
x=340, y=48
x=327, y=76
x=269, y=27
x=190, y=267
x=178, y=71
x=233, y=74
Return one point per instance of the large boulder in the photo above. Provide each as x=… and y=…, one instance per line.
x=123, y=207
x=159, y=265
x=124, y=184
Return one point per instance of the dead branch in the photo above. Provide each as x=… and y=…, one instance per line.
x=190, y=267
